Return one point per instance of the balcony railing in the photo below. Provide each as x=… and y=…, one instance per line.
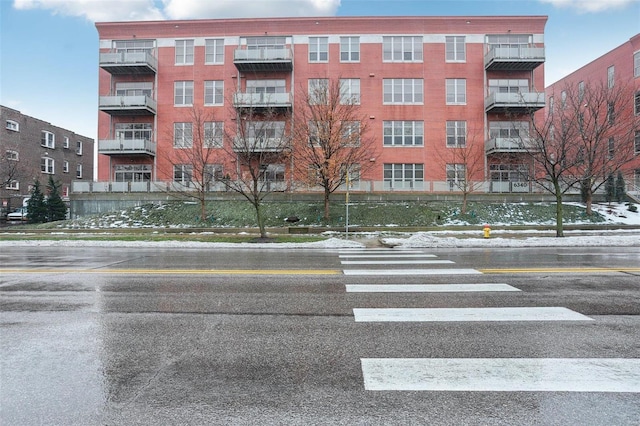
x=127, y=147
x=514, y=145
x=127, y=105
x=263, y=59
x=119, y=63
x=515, y=102
x=514, y=58
x=257, y=145
x=262, y=100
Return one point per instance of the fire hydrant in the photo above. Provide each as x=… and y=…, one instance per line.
x=486, y=231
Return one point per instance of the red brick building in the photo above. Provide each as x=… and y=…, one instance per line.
x=425, y=84
x=618, y=68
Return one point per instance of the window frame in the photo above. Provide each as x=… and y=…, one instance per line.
x=394, y=83
x=398, y=130
x=453, y=52
x=13, y=185
x=213, y=134
x=78, y=171
x=47, y=139
x=456, y=130
x=403, y=170
x=65, y=166
x=78, y=147
x=350, y=46
x=182, y=135
x=214, y=93
x=184, y=55
x=181, y=91
x=12, y=125
x=315, y=85
x=214, y=48
x=402, y=45
x=12, y=155
x=456, y=91
x=350, y=91
x=47, y=165
x=180, y=171
x=318, y=49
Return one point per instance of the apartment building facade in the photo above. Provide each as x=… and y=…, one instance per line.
x=34, y=149
x=619, y=67
x=425, y=85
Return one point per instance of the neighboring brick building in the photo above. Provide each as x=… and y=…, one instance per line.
x=425, y=84
x=620, y=66
x=32, y=150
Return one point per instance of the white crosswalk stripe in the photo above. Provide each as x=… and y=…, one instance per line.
x=466, y=314
x=428, y=288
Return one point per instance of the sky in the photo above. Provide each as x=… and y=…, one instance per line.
x=49, y=48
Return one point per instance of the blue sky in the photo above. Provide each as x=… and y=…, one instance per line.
x=49, y=48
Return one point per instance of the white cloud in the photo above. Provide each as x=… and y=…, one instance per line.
x=590, y=5
x=97, y=10
x=198, y=9
x=143, y=10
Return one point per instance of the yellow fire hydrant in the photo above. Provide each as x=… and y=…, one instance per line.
x=486, y=231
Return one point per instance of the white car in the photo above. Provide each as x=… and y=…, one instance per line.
x=18, y=214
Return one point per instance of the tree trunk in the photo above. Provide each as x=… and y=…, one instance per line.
x=463, y=210
x=559, y=223
x=589, y=201
x=203, y=209
x=258, y=207
x=326, y=203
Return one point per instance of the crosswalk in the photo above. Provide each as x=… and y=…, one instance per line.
x=470, y=374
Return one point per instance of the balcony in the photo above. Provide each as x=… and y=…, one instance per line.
x=262, y=100
x=523, y=58
x=127, y=147
x=507, y=145
x=259, y=145
x=127, y=105
x=517, y=103
x=129, y=63
x=263, y=60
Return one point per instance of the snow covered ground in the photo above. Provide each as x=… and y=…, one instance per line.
x=473, y=237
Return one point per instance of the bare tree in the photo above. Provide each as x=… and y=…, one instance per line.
x=332, y=144
x=257, y=151
x=196, y=160
x=605, y=126
x=464, y=159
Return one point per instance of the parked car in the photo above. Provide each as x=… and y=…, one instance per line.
x=18, y=214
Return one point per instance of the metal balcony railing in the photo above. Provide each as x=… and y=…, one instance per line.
x=126, y=147
x=127, y=105
x=514, y=58
x=119, y=63
x=517, y=102
x=262, y=100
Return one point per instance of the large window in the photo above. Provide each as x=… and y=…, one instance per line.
x=134, y=131
x=456, y=175
x=455, y=49
x=350, y=91
x=213, y=131
x=214, y=92
x=134, y=89
x=402, y=49
x=47, y=165
x=351, y=133
x=266, y=86
x=403, y=175
x=213, y=172
x=133, y=46
x=517, y=131
x=349, y=49
x=611, y=76
x=402, y=91
x=456, y=91
x=509, y=86
x=183, y=173
x=403, y=133
x=318, y=91
x=184, y=52
x=270, y=43
x=47, y=139
x=636, y=64
x=132, y=173
x=183, y=93
x=182, y=135
x=318, y=49
x=214, y=51
x=456, y=134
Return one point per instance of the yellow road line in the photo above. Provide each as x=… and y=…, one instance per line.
x=176, y=271
x=555, y=270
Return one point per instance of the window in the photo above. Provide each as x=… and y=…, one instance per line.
x=456, y=175
x=145, y=46
x=402, y=90
x=212, y=172
x=403, y=133
x=79, y=147
x=508, y=86
x=266, y=86
x=636, y=108
x=79, y=171
x=350, y=133
x=266, y=43
x=637, y=142
x=182, y=135
x=318, y=49
x=456, y=91
x=455, y=49
x=134, y=89
x=183, y=93
x=456, y=134
x=213, y=132
x=48, y=139
x=611, y=76
x=402, y=49
x=350, y=91
x=214, y=92
x=611, y=149
x=182, y=173
x=65, y=166
x=12, y=155
x=551, y=104
x=611, y=113
x=349, y=49
x=13, y=185
x=581, y=91
x=65, y=142
x=184, y=52
x=636, y=64
x=563, y=99
x=515, y=131
x=273, y=173
x=47, y=165
x=318, y=91
x=129, y=131
x=13, y=126
x=403, y=175
x=214, y=51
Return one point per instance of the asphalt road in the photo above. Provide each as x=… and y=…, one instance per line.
x=225, y=336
